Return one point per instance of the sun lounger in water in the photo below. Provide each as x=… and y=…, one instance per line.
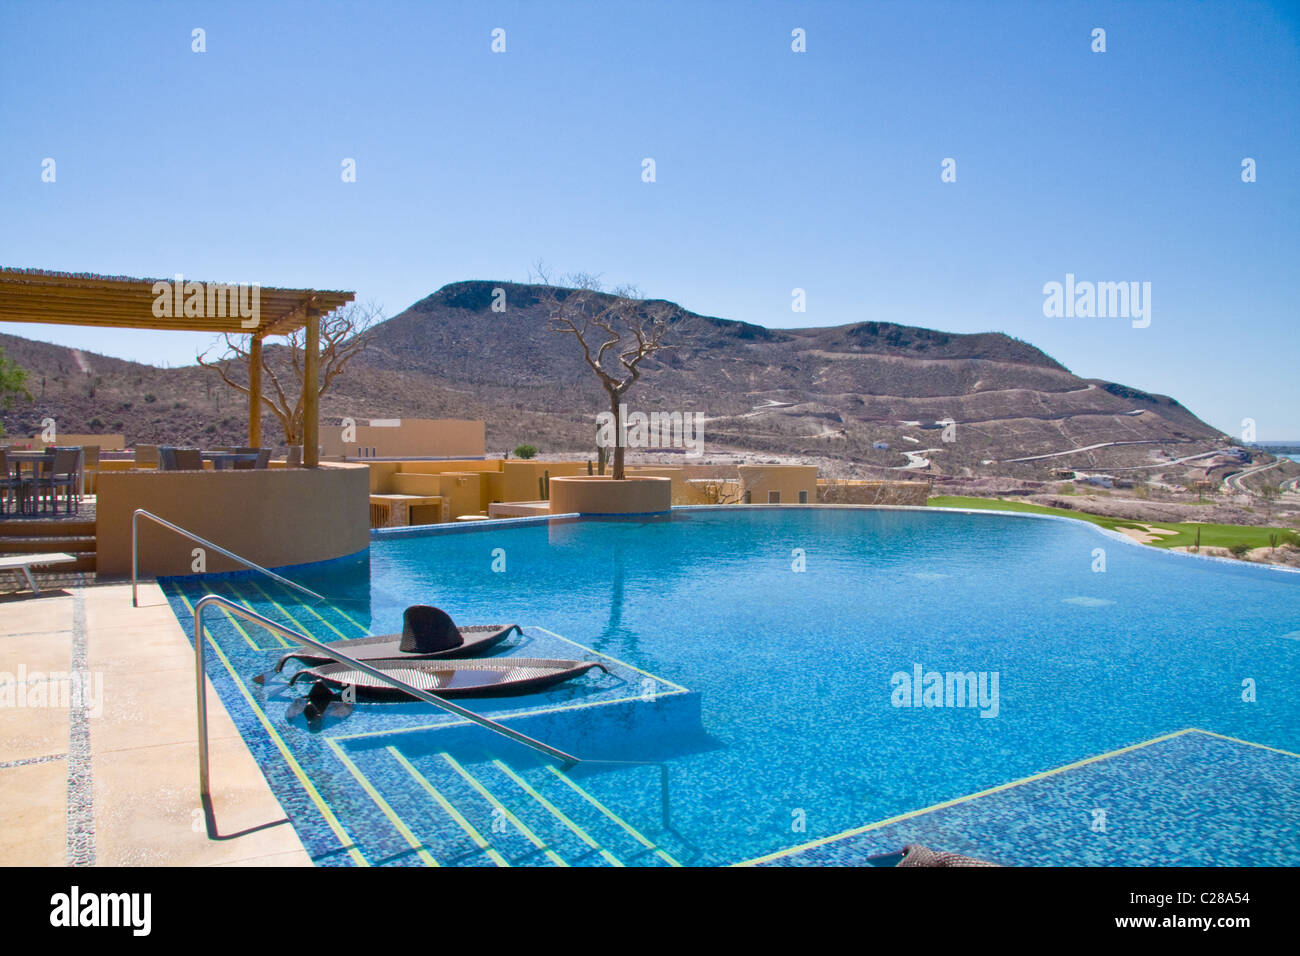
x=428, y=633
x=494, y=677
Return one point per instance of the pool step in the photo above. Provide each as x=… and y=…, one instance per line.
x=486, y=812
x=462, y=806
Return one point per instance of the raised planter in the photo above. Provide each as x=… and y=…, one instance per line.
x=602, y=495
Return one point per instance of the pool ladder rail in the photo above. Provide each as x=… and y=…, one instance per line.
x=135, y=555
x=566, y=760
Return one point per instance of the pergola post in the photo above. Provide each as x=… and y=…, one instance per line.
x=255, y=392
x=311, y=393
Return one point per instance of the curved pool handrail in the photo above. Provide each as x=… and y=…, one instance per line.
x=200, y=675
x=135, y=554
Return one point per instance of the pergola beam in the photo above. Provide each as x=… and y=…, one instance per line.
x=30, y=295
x=62, y=298
x=255, y=391
x=311, y=392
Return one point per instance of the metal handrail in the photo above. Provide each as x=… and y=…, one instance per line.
x=135, y=554
x=201, y=698
x=230, y=606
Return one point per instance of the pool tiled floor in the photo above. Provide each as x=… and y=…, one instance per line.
x=1176, y=800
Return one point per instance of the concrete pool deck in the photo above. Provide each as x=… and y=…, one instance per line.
x=98, y=752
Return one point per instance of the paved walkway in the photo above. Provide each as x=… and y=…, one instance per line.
x=98, y=759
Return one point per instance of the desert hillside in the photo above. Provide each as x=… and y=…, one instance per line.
x=818, y=393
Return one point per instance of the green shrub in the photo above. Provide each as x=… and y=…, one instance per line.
x=1238, y=550
x=525, y=451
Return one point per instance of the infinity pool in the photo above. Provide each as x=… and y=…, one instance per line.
x=777, y=668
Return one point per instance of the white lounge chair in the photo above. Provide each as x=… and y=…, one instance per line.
x=25, y=562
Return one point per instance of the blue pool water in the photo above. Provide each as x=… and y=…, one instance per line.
x=753, y=654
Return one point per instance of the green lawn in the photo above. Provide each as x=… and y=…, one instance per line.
x=1212, y=535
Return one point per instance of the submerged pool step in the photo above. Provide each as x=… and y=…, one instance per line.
x=640, y=849
x=554, y=816
x=454, y=807
x=486, y=812
x=440, y=805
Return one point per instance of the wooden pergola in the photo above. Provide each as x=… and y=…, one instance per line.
x=65, y=298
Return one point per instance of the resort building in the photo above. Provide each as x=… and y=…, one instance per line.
x=778, y=484
x=409, y=438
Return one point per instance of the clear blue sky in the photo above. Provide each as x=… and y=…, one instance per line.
x=775, y=170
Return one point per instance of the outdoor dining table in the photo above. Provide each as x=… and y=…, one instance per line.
x=223, y=459
x=33, y=457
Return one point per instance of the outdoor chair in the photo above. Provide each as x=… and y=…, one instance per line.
x=166, y=458
x=9, y=485
x=249, y=465
x=187, y=459
x=62, y=470
x=146, y=456
x=89, y=461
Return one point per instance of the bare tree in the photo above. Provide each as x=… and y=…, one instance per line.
x=616, y=330
x=342, y=338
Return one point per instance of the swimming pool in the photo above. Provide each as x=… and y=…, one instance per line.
x=788, y=667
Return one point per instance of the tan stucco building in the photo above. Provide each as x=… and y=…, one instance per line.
x=404, y=438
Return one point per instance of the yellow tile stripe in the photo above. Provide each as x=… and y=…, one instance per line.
x=503, y=810
x=240, y=628
x=296, y=623
x=1248, y=743
x=446, y=805
x=398, y=824
x=631, y=830
x=233, y=620
x=313, y=610
x=308, y=787
x=238, y=595
x=347, y=617
x=290, y=618
x=966, y=799
x=337, y=610
x=559, y=814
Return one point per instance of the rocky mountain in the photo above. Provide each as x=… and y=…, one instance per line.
x=821, y=393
